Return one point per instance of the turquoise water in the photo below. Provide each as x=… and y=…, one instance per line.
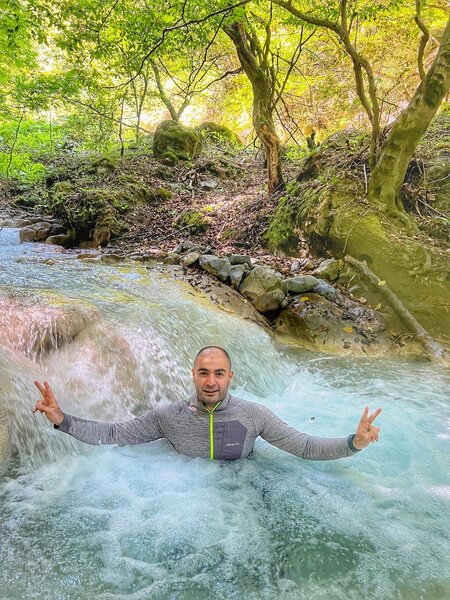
x=144, y=522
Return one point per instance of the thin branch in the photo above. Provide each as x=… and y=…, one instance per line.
x=13, y=145
x=292, y=63
x=423, y=39
x=100, y=113
x=226, y=74
x=176, y=27
x=103, y=23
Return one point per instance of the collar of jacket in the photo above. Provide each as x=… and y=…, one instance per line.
x=194, y=402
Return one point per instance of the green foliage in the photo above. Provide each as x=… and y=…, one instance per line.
x=282, y=231
x=25, y=146
x=84, y=66
x=196, y=221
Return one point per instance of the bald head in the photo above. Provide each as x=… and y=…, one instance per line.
x=211, y=351
x=212, y=375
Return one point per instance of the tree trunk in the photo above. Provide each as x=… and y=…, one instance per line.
x=389, y=173
x=265, y=130
x=254, y=64
x=164, y=97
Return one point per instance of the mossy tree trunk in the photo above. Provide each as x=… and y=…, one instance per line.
x=389, y=173
x=389, y=160
x=254, y=60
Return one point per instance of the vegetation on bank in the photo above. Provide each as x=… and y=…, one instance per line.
x=124, y=120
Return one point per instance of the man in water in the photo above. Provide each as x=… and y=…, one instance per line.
x=213, y=424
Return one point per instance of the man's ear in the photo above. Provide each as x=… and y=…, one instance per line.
x=231, y=374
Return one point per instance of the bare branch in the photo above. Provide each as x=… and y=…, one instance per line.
x=100, y=113
x=292, y=63
x=423, y=39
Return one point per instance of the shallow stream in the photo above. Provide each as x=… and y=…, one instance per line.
x=143, y=522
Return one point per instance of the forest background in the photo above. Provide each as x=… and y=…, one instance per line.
x=89, y=77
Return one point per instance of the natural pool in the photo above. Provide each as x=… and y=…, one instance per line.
x=143, y=522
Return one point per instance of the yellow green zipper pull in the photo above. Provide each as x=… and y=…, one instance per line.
x=211, y=432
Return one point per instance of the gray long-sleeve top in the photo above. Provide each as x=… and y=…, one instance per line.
x=227, y=433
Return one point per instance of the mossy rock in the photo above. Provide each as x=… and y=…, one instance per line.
x=103, y=165
x=194, y=220
x=170, y=159
x=57, y=174
x=173, y=139
x=218, y=133
x=82, y=210
x=159, y=194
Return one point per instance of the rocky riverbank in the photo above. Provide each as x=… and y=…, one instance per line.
x=208, y=221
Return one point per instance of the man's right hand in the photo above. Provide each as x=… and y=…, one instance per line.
x=48, y=404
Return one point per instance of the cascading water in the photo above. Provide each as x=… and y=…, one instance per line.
x=143, y=522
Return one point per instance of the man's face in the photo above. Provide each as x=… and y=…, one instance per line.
x=212, y=376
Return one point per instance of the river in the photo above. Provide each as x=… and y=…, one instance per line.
x=143, y=522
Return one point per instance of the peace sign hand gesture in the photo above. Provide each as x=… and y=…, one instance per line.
x=366, y=433
x=48, y=404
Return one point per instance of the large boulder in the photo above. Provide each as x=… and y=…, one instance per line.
x=313, y=322
x=173, y=139
x=37, y=232
x=265, y=288
x=220, y=267
x=33, y=326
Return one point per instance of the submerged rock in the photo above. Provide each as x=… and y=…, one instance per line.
x=62, y=239
x=33, y=326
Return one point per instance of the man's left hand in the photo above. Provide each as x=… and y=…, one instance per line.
x=366, y=432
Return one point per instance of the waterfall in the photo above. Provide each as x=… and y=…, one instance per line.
x=144, y=522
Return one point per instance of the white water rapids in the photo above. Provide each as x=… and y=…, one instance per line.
x=142, y=522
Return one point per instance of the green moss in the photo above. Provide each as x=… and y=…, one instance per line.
x=218, y=133
x=83, y=209
x=173, y=139
x=304, y=206
x=194, y=220
x=169, y=158
x=159, y=194
x=281, y=234
x=103, y=165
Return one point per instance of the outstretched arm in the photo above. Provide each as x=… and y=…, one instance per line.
x=136, y=431
x=280, y=434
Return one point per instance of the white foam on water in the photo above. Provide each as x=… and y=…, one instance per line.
x=146, y=523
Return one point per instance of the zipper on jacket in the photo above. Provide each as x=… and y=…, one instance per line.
x=211, y=432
